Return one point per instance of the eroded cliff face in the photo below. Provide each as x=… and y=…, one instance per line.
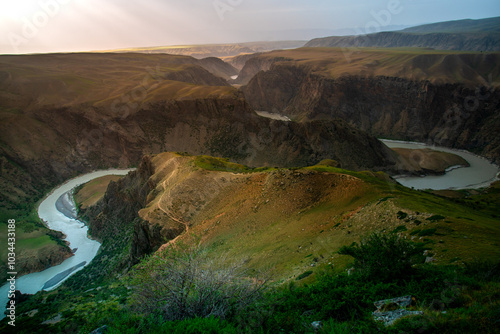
x=453, y=115
x=115, y=222
x=152, y=206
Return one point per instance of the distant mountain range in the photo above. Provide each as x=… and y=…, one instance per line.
x=459, y=26
x=466, y=35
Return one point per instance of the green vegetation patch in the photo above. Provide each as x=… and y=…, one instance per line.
x=400, y=228
x=402, y=215
x=304, y=275
x=435, y=218
x=224, y=165
x=427, y=232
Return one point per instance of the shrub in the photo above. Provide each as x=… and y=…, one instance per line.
x=383, y=257
x=417, y=231
x=427, y=232
x=435, y=218
x=402, y=215
x=182, y=282
x=304, y=275
x=400, y=228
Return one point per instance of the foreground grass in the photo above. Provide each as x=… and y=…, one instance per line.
x=453, y=300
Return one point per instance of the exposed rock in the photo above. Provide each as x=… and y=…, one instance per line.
x=317, y=325
x=391, y=316
x=394, y=303
x=54, y=320
x=390, y=310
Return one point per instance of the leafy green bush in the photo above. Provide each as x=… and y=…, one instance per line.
x=435, y=218
x=400, y=228
x=383, y=257
x=402, y=215
x=417, y=231
x=427, y=232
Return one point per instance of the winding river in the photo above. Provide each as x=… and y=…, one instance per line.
x=76, y=234
x=58, y=208
x=481, y=172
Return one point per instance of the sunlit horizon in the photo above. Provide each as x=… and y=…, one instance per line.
x=43, y=26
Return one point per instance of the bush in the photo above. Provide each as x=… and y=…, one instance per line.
x=383, y=257
x=400, y=228
x=402, y=215
x=427, y=232
x=182, y=282
x=435, y=218
x=304, y=275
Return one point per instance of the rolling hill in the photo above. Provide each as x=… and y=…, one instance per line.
x=459, y=26
x=464, y=35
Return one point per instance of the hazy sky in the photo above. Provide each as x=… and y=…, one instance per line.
x=82, y=25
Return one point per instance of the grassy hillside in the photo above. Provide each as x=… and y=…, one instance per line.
x=293, y=220
x=290, y=224
x=57, y=80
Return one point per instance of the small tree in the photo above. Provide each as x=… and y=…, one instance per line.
x=383, y=257
x=183, y=282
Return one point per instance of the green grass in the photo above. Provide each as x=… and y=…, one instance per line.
x=265, y=239
x=224, y=165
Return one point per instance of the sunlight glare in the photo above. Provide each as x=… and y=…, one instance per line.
x=19, y=9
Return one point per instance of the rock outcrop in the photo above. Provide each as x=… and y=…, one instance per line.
x=390, y=310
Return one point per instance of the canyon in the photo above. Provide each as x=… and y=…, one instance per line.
x=426, y=96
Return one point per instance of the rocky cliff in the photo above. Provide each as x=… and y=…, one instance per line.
x=442, y=111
